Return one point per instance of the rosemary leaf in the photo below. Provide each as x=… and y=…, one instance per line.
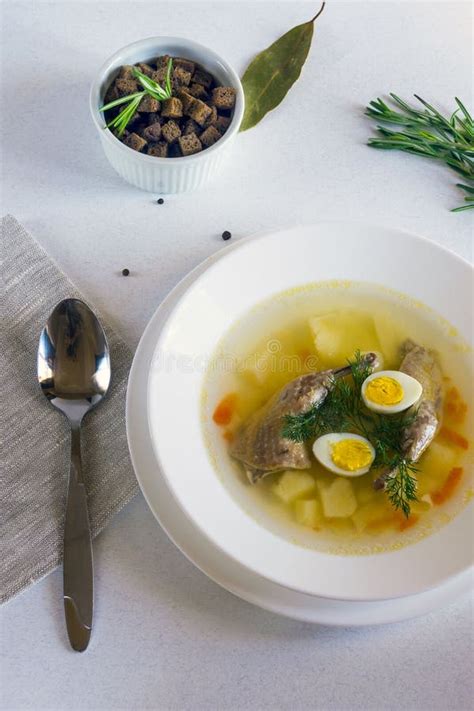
x=122, y=100
x=427, y=133
x=168, y=77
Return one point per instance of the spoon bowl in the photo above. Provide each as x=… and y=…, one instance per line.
x=73, y=359
x=74, y=373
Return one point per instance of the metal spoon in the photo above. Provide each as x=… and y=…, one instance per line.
x=74, y=374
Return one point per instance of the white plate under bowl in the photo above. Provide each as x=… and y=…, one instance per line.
x=210, y=559
x=217, y=298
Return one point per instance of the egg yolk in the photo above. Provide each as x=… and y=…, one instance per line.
x=351, y=454
x=384, y=391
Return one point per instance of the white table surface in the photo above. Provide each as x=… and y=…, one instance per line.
x=165, y=636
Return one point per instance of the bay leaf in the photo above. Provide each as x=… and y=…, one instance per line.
x=272, y=73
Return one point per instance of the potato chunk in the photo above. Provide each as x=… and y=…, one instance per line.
x=338, y=499
x=435, y=466
x=293, y=485
x=308, y=512
x=389, y=339
x=338, y=335
x=373, y=512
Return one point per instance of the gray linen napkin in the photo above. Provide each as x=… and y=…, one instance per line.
x=35, y=437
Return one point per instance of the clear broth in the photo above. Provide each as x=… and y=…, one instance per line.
x=274, y=343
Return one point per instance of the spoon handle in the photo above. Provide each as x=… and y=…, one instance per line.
x=77, y=566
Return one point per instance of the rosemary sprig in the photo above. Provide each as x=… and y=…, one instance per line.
x=428, y=133
x=343, y=411
x=151, y=87
x=121, y=121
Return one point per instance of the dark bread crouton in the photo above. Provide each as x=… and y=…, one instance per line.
x=199, y=111
x=145, y=69
x=149, y=105
x=126, y=72
x=198, y=91
x=186, y=64
x=159, y=150
x=181, y=77
x=159, y=76
x=111, y=94
x=152, y=132
x=191, y=127
x=135, y=141
x=185, y=98
x=172, y=108
x=189, y=144
x=126, y=86
x=222, y=123
x=162, y=61
x=223, y=97
x=212, y=117
x=200, y=76
x=210, y=136
x=170, y=131
x=154, y=118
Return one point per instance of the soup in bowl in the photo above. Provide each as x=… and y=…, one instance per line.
x=311, y=415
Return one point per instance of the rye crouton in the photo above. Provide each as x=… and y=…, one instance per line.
x=126, y=72
x=154, y=118
x=172, y=108
x=200, y=76
x=135, y=141
x=222, y=123
x=159, y=150
x=185, y=98
x=152, y=132
x=186, y=64
x=199, y=111
x=189, y=144
x=170, y=131
x=126, y=86
x=145, y=69
x=211, y=120
x=223, y=97
x=210, y=136
x=148, y=105
x=181, y=77
x=198, y=91
x=191, y=127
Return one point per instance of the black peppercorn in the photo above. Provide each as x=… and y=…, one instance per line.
x=125, y=272
x=160, y=201
x=226, y=235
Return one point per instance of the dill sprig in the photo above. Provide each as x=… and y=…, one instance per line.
x=150, y=87
x=401, y=485
x=428, y=133
x=343, y=410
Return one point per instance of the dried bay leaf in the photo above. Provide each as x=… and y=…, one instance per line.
x=272, y=73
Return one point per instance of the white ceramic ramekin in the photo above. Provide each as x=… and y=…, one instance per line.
x=166, y=175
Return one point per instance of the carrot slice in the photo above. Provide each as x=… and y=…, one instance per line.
x=456, y=411
x=454, y=438
x=453, y=394
x=447, y=490
x=225, y=410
